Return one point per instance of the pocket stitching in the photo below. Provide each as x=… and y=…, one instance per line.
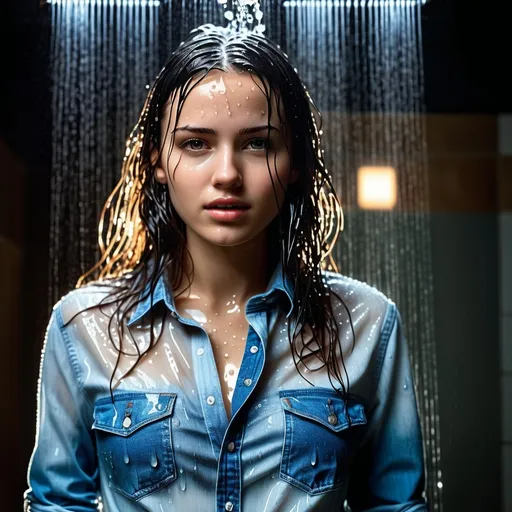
x=136, y=426
x=166, y=441
x=289, y=413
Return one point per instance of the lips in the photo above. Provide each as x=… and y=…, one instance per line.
x=227, y=203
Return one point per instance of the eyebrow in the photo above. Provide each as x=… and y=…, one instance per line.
x=243, y=131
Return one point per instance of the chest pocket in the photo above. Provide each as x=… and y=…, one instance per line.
x=134, y=441
x=319, y=444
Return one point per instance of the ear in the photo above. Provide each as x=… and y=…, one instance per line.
x=160, y=174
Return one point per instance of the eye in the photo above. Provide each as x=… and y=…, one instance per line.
x=193, y=144
x=262, y=143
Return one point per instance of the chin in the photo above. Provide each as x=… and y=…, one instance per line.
x=228, y=236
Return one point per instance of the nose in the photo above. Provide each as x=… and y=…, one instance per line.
x=226, y=169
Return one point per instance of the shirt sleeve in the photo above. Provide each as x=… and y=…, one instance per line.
x=62, y=474
x=388, y=473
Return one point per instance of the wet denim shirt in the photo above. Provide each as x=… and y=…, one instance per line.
x=165, y=443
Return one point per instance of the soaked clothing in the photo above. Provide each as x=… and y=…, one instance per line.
x=166, y=442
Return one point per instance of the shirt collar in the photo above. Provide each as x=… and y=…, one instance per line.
x=163, y=293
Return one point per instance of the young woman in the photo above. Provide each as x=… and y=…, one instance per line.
x=212, y=363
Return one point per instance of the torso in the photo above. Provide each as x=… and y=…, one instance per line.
x=228, y=334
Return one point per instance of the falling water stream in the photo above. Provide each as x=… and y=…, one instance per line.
x=362, y=64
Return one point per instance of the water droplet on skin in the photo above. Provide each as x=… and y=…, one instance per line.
x=226, y=355
x=239, y=83
x=216, y=112
x=247, y=113
x=225, y=343
x=252, y=88
x=247, y=97
x=229, y=113
x=238, y=104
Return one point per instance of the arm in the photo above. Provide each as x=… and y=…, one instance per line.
x=388, y=472
x=62, y=473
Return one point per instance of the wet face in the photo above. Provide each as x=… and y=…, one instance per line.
x=220, y=150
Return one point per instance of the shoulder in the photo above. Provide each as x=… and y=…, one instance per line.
x=355, y=293
x=368, y=309
x=88, y=297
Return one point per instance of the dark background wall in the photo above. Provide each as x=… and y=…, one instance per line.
x=464, y=78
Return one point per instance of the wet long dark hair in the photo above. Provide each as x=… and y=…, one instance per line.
x=141, y=235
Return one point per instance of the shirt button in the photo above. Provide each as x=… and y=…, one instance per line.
x=228, y=506
x=231, y=447
x=332, y=419
x=247, y=382
x=254, y=349
x=210, y=400
x=200, y=351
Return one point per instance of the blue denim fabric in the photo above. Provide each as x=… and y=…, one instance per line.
x=165, y=442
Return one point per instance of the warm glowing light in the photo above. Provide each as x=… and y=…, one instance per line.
x=376, y=187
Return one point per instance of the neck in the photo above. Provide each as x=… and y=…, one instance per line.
x=224, y=275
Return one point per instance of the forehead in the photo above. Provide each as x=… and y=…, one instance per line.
x=239, y=97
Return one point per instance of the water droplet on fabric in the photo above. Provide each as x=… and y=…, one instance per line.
x=183, y=480
x=154, y=460
x=314, y=457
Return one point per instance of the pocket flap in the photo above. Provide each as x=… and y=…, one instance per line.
x=131, y=411
x=323, y=406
